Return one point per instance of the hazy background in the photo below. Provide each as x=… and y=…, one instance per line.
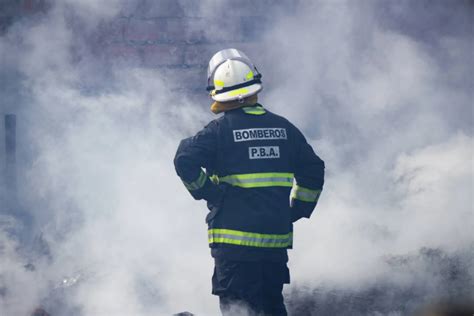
x=382, y=89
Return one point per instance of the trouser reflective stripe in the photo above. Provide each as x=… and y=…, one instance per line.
x=304, y=194
x=258, y=180
x=235, y=237
x=198, y=183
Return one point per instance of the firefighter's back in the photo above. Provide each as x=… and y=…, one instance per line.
x=255, y=163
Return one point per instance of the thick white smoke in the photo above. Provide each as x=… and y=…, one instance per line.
x=389, y=110
x=380, y=105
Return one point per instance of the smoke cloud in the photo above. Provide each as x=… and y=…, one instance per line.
x=382, y=90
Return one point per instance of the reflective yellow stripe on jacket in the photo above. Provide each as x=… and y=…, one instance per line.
x=236, y=237
x=254, y=110
x=259, y=180
x=304, y=194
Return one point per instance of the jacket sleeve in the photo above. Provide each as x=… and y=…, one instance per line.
x=193, y=154
x=309, y=176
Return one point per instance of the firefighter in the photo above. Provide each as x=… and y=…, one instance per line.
x=258, y=175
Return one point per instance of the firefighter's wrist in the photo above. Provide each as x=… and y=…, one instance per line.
x=209, y=191
x=213, y=193
x=301, y=209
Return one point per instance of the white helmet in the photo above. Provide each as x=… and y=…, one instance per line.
x=232, y=76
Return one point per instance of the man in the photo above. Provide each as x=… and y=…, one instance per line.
x=251, y=157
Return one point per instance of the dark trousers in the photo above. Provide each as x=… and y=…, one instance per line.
x=250, y=288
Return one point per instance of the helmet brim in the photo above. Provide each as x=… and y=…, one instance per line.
x=238, y=93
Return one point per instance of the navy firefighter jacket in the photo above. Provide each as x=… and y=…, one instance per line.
x=245, y=164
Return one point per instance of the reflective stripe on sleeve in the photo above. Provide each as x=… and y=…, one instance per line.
x=254, y=110
x=259, y=180
x=236, y=237
x=197, y=184
x=304, y=194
